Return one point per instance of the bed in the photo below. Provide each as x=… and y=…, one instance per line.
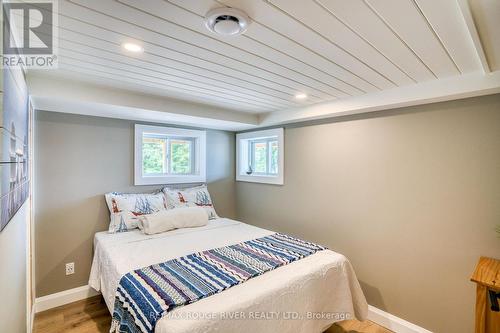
x=304, y=296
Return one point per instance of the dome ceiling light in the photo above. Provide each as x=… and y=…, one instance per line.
x=227, y=21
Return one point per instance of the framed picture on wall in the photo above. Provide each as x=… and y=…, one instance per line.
x=14, y=144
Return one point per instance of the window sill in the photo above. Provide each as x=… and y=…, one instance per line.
x=274, y=180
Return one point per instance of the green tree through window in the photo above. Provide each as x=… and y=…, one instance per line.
x=153, y=155
x=180, y=156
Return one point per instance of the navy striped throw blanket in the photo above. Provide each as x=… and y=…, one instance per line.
x=145, y=295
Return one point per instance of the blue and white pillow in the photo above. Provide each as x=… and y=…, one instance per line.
x=125, y=208
x=190, y=197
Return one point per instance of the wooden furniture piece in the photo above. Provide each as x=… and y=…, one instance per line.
x=487, y=278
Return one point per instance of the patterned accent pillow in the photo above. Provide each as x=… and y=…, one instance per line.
x=190, y=197
x=126, y=207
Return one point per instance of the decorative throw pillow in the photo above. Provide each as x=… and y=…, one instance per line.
x=126, y=207
x=165, y=220
x=190, y=197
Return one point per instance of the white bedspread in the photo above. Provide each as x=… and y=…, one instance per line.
x=305, y=296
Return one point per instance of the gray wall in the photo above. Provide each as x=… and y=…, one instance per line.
x=78, y=159
x=13, y=291
x=410, y=196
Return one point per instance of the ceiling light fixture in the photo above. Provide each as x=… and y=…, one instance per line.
x=132, y=47
x=227, y=21
x=301, y=96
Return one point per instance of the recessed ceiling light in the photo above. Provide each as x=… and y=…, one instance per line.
x=301, y=96
x=227, y=21
x=132, y=47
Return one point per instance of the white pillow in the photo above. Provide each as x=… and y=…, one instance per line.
x=126, y=207
x=166, y=220
x=190, y=197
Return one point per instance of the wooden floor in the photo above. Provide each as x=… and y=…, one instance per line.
x=92, y=316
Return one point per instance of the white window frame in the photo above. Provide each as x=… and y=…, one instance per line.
x=243, y=156
x=198, y=165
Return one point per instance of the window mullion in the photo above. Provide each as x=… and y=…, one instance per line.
x=167, y=157
x=192, y=156
x=252, y=156
x=269, y=153
x=266, y=154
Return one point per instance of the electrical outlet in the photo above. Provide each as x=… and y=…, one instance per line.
x=70, y=268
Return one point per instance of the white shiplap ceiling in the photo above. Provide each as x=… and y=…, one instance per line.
x=332, y=50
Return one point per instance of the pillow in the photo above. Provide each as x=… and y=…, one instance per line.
x=126, y=207
x=166, y=220
x=190, y=197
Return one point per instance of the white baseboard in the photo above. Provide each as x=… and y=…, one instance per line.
x=392, y=322
x=63, y=298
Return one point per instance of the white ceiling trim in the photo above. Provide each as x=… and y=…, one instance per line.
x=137, y=114
x=57, y=95
x=464, y=86
x=474, y=35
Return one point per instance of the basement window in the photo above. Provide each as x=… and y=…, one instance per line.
x=260, y=156
x=165, y=155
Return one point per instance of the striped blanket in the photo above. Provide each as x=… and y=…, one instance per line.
x=145, y=295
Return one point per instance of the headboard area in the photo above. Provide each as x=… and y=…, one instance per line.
x=80, y=159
